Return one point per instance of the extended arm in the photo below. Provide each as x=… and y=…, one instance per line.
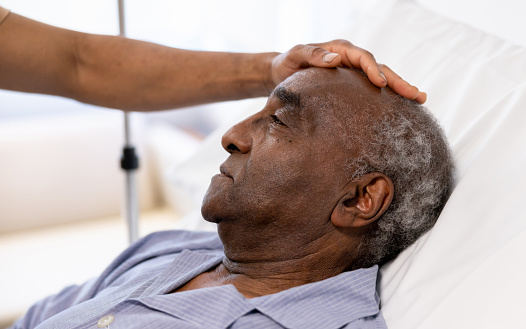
x=122, y=73
x=134, y=75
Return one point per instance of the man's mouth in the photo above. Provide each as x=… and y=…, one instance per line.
x=224, y=171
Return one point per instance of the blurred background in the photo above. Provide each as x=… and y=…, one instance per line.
x=61, y=188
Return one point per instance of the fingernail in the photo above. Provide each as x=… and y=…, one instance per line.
x=383, y=77
x=329, y=57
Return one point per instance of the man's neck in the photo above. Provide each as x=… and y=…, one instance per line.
x=254, y=279
x=267, y=266
x=262, y=264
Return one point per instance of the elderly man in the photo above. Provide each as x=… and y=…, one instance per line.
x=333, y=176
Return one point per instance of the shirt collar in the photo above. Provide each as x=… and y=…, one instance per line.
x=203, y=307
x=331, y=303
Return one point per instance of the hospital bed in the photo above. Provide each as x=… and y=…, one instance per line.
x=467, y=272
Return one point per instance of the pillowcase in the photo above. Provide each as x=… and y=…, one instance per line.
x=467, y=272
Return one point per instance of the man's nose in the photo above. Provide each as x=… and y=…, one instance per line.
x=238, y=138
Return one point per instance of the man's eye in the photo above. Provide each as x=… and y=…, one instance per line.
x=276, y=120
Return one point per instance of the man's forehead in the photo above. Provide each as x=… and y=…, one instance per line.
x=302, y=80
x=288, y=96
x=296, y=90
x=321, y=78
x=316, y=82
x=314, y=87
x=339, y=88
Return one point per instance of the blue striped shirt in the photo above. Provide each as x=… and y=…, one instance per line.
x=133, y=293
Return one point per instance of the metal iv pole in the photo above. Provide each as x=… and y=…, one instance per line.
x=129, y=161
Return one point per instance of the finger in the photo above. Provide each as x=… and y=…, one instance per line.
x=308, y=55
x=402, y=87
x=373, y=71
x=421, y=98
x=364, y=60
x=300, y=57
x=356, y=57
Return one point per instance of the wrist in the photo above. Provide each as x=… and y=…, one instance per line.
x=269, y=81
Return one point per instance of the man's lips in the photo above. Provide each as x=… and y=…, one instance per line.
x=224, y=171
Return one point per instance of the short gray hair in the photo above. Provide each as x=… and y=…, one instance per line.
x=405, y=143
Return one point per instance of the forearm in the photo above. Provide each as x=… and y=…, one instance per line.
x=35, y=57
x=123, y=73
x=138, y=75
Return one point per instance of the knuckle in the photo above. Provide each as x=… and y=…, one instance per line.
x=342, y=42
x=297, y=48
x=316, y=50
x=367, y=53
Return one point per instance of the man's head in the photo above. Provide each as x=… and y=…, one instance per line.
x=331, y=162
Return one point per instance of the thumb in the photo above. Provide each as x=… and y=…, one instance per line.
x=310, y=55
x=332, y=59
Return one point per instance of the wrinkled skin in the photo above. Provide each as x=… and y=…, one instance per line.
x=277, y=179
x=287, y=212
x=284, y=204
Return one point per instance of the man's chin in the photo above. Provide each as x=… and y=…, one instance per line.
x=210, y=206
x=217, y=212
x=218, y=203
x=209, y=218
x=212, y=209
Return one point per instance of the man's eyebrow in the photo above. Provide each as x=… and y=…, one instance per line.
x=288, y=97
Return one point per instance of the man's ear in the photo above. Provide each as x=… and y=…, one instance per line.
x=363, y=201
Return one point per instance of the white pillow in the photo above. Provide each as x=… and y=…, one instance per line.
x=468, y=271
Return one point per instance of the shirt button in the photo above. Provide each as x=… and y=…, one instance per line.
x=105, y=321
